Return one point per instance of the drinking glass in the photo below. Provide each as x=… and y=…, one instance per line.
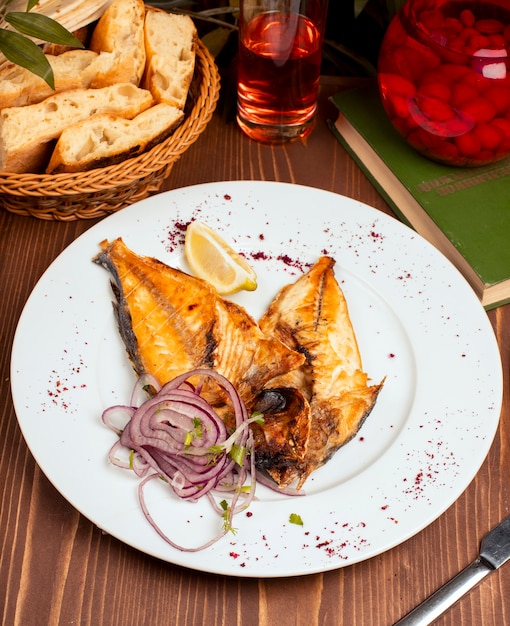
x=280, y=52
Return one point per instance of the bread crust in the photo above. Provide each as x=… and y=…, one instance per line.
x=120, y=33
x=106, y=139
x=138, y=58
x=170, y=44
x=26, y=133
x=72, y=70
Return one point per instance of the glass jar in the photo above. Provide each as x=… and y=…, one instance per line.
x=444, y=79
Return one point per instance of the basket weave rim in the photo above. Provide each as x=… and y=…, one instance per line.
x=134, y=168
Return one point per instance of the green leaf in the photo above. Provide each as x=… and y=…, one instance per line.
x=359, y=5
x=237, y=454
x=294, y=518
x=394, y=6
x=215, y=40
x=42, y=27
x=257, y=417
x=197, y=431
x=24, y=52
x=227, y=517
x=31, y=4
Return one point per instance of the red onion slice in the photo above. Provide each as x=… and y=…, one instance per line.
x=177, y=435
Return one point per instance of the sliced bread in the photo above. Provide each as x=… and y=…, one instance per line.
x=105, y=139
x=72, y=70
x=27, y=133
x=120, y=33
x=170, y=44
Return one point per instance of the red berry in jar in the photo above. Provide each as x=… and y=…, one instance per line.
x=444, y=79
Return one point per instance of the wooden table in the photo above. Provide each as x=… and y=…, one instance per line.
x=56, y=567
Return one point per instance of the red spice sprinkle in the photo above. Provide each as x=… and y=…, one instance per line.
x=235, y=555
x=182, y=226
x=291, y=262
x=259, y=256
x=175, y=237
x=384, y=507
x=249, y=514
x=227, y=197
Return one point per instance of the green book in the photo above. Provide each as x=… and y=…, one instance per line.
x=464, y=212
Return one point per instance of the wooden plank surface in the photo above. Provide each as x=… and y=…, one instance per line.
x=57, y=568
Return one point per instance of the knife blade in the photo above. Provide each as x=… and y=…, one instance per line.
x=494, y=552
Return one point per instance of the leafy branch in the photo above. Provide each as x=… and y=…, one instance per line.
x=17, y=31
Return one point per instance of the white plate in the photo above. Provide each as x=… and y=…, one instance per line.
x=418, y=323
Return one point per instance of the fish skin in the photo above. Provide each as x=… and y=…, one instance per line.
x=281, y=442
x=172, y=323
x=311, y=316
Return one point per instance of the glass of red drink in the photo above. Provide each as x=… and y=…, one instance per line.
x=280, y=52
x=444, y=79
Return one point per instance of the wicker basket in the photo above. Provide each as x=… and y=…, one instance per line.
x=96, y=193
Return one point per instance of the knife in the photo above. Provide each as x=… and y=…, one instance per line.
x=494, y=552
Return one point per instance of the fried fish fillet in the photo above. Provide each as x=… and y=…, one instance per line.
x=311, y=317
x=172, y=323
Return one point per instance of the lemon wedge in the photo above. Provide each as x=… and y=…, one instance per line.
x=212, y=258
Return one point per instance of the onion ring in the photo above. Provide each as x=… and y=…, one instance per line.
x=176, y=435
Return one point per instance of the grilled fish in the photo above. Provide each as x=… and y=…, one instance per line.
x=311, y=317
x=300, y=365
x=172, y=323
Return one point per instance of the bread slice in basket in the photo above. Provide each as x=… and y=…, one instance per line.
x=27, y=134
x=170, y=44
x=117, y=55
x=138, y=57
x=120, y=33
x=106, y=139
x=73, y=69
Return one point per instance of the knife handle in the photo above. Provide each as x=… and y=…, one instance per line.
x=447, y=595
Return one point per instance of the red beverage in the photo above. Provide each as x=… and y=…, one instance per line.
x=278, y=80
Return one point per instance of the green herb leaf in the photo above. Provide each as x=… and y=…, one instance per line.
x=215, y=451
x=197, y=431
x=25, y=53
x=42, y=27
x=197, y=423
x=294, y=518
x=237, y=454
x=257, y=417
x=226, y=517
